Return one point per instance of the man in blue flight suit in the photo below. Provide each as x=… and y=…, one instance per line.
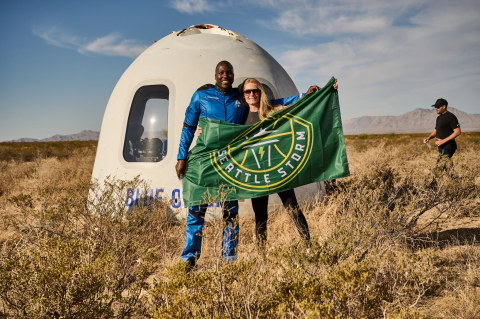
x=220, y=102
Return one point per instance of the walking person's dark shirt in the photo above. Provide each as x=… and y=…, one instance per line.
x=445, y=125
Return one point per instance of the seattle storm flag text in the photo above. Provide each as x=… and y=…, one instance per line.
x=300, y=144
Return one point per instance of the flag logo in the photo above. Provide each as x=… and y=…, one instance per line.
x=268, y=155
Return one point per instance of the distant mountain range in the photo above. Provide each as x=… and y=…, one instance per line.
x=82, y=136
x=416, y=121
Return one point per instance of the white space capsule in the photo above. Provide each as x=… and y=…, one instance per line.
x=144, y=116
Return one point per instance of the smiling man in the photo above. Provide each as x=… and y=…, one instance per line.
x=446, y=129
x=220, y=102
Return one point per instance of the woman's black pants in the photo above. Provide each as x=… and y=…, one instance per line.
x=260, y=208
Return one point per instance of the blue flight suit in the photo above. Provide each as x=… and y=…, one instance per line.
x=213, y=102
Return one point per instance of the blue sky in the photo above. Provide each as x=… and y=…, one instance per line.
x=60, y=60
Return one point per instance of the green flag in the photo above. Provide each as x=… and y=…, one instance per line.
x=300, y=144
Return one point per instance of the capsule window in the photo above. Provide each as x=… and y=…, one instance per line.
x=146, y=139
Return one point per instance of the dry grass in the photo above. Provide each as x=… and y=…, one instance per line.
x=31, y=151
x=399, y=239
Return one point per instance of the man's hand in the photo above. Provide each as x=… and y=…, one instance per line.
x=312, y=89
x=335, y=85
x=199, y=131
x=425, y=141
x=181, y=167
x=439, y=142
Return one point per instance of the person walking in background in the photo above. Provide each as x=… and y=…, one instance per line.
x=446, y=129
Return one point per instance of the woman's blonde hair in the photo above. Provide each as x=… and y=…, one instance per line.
x=265, y=108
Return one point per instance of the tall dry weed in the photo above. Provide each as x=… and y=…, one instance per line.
x=460, y=297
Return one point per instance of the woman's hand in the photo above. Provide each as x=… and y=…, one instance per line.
x=199, y=131
x=313, y=88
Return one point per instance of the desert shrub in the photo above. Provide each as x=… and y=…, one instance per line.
x=337, y=278
x=17, y=175
x=362, y=136
x=79, y=258
x=66, y=256
x=73, y=278
x=30, y=151
x=12, y=173
x=364, y=268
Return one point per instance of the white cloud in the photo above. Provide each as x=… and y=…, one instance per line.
x=333, y=17
x=328, y=22
x=389, y=59
x=54, y=36
x=192, y=6
x=111, y=45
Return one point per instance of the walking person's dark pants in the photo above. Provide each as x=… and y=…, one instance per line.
x=448, y=152
x=446, y=164
x=260, y=207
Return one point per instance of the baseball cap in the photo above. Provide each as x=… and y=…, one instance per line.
x=440, y=103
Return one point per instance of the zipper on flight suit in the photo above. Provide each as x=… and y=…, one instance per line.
x=225, y=106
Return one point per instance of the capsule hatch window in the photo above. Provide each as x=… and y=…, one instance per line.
x=146, y=138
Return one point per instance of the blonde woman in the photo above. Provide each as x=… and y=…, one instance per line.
x=253, y=95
